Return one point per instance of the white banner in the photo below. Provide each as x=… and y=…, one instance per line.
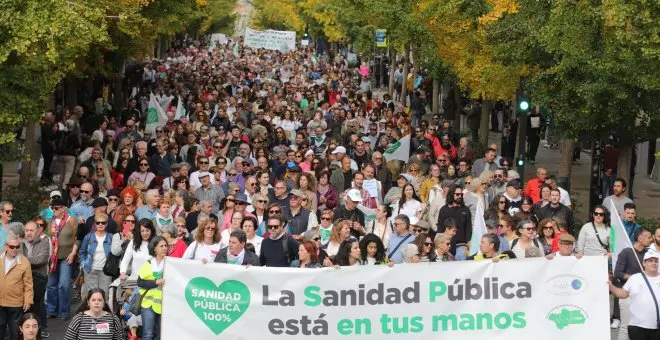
x=563, y=298
x=283, y=41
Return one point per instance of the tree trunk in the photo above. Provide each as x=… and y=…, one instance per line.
x=625, y=158
x=483, y=122
x=404, y=84
x=390, y=86
x=435, y=107
x=566, y=147
x=71, y=92
x=30, y=151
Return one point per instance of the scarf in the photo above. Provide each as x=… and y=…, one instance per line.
x=54, y=242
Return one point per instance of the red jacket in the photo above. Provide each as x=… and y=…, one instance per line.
x=533, y=189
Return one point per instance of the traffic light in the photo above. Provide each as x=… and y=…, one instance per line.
x=524, y=103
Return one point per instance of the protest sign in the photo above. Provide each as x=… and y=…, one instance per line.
x=283, y=41
x=563, y=298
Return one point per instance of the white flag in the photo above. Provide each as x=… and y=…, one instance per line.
x=180, y=111
x=619, y=239
x=156, y=117
x=478, y=229
x=399, y=150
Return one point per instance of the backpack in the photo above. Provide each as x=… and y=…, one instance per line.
x=536, y=244
x=61, y=143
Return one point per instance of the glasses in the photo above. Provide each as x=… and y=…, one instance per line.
x=299, y=156
x=325, y=218
x=101, y=222
x=528, y=228
x=13, y=247
x=599, y=214
x=566, y=244
x=9, y=211
x=144, y=164
x=202, y=162
x=414, y=170
x=458, y=194
x=428, y=244
x=273, y=211
x=316, y=238
x=502, y=202
x=273, y=226
x=468, y=183
x=209, y=228
x=231, y=175
x=113, y=199
x=252, y=184
x=548, y=228
x=262, y=201
x=419, y=230
x=85, y=191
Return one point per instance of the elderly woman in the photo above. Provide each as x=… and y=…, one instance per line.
x=92, y=260
x=177, y=246
x=442, y=247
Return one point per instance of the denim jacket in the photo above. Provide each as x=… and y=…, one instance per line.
x=88, y=248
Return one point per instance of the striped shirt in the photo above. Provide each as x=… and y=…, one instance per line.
x=85, y=327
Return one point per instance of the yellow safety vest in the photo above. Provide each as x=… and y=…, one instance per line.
x=151, y=298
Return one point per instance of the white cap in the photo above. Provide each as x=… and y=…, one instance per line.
x=309, y=153
x=339, y=149
x=55, y=193
x=203, y=174
x=651, y=254
x=354, y=195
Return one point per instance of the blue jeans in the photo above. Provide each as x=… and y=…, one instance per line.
x=150, y=324
x=460, y=253
x=58, y=299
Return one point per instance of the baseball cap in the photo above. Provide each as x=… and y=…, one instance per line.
x=566, y=238
x=339, y=149
x=491, y=223
x=650, y=254
x=354, y=195
x=175, y=166
x=203, y=174
x=297, y=192
x=241, y=197
x=55, y=193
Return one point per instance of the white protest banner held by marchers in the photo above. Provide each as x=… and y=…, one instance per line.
x=400, y=150
x=563, y=298
x=283, y=41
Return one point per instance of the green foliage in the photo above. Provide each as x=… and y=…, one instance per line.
x=27, y=201
x=650, y=223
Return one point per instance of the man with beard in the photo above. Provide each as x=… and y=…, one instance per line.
x=192, y=150
x=447, y=147
x=655, y=246
x=556, y=209
x=419, y=141
x=360, y=155
x=456, y=210
x=618, y=198
x=499, y=182
x=485, y=163
x=381, y=172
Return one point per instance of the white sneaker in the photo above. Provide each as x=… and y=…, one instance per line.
x=615, y=324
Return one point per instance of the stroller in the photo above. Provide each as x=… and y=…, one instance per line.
x=117, y=299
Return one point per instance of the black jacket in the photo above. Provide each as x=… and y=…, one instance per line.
x=356, y=215
x=249, y=258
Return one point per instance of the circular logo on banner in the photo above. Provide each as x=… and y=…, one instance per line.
x=566, y=285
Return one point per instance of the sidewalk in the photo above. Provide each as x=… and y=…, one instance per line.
x=646, y=191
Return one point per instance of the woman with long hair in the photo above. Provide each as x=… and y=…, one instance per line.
x=207, y=241
x=128, y=204
x=93, y=312
x=340, y=232
x=594, y=237
x=425, y=248
x=372, y=250
x=349, y=253
x=409, y=204
x=228, y=205
x=545, y=198
x=117, y=174
x=179, y=202
x=151, y=284
x=177, y=246
x=394, y=194
x=498, y=207
x=28, y=327
x=137, y=251
x=382, y=226
x=103, y=179
x=432, y=182
x=307, y=183
x=546, y=234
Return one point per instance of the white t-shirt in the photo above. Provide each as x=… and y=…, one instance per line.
x=256, y=242
x=98, y=261
x=198, y=251
x=410, y=209
x=642, y=307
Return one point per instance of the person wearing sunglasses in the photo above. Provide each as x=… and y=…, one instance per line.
x=15, y=285
x=527, y=232
x=64, y=247
x=83, y=209
x=6, y=214
x=143, y=173
x=92, y=261
x=100, y=206
x=279, y=249
x=594, y=237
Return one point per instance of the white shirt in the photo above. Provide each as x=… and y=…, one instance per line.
x=256, y=242
x=564, y=197
x=9, y=263
x=198, y=251
x=410, y=209
x=136, y=258
x=98, y=261
x=642, y=307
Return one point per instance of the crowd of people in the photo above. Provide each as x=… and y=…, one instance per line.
x=268, y=159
